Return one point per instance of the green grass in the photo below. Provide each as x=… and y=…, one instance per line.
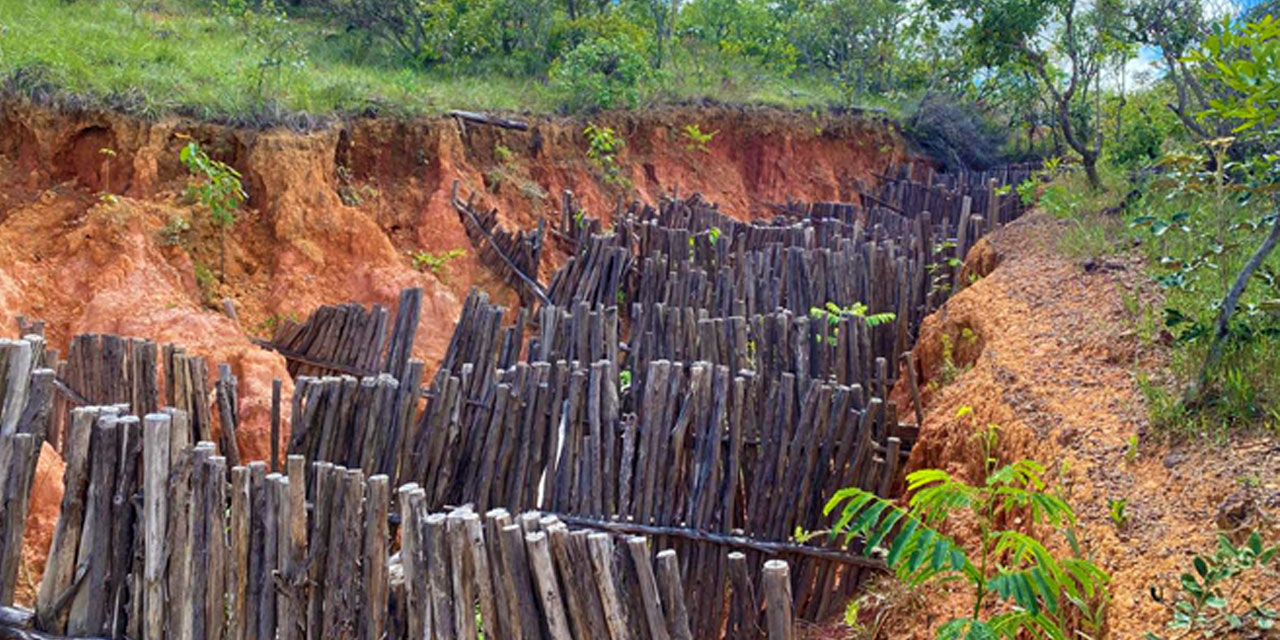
x=1091, y=233
x=182, y=60
x=205, y=66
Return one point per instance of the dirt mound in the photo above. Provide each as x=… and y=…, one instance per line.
x=1048, y=352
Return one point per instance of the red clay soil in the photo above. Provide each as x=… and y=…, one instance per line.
x=1047, y=351
x=335, y=216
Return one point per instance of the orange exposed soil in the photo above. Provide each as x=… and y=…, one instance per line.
x=1047, y=351
x=335, y=215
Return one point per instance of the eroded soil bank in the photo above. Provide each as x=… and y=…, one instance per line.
x=97, y=233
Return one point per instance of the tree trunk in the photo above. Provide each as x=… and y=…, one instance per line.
x=1229, y=304
x=1090, y=161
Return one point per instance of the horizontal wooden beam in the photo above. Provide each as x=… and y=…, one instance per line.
x=736, y=542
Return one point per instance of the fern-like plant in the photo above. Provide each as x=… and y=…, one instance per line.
x=1021, y=589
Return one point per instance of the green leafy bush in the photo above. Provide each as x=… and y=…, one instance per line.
x=600, y=74
x=1020, y=587
x=1210, y=602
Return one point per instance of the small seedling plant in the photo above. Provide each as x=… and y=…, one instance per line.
x=832, y=313
x=218, y=189
x=436, y=263
x=1211, y=602
x=603, y=147
x=696, y=140
x=1020, y=588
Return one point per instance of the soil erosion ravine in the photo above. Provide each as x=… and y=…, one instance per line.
x=97, y=233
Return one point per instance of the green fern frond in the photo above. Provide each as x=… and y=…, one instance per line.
x=912, y=549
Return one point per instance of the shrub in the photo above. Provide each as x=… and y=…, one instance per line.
x=1020, y=588
x=953, y=131
x=600, y=74
x=1209, y=602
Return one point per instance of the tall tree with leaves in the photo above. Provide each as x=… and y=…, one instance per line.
x=1064, y=44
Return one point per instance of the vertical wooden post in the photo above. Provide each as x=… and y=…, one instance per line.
x=60, y=567
x=291, y=623
x=411, y=562
x=375, y=557
x=441, y=588
x=238, y=564
x=275, y=425
x=155, y=515
x=483, y=573
x=216, y=540
x=673, y=595
x=462, y=574
x=777, y=594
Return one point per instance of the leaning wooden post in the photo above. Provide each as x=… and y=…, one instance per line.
x=155, y=516
x=673, y=595
x=639, y=547
x=548, y=589
x=777, y=596
x=602, y=561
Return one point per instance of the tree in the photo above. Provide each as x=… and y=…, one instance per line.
x=1244, y=60
x=1064, y=44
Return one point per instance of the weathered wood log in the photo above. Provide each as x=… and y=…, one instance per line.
x=412, y=561
x=474, y=531
x=215, y=478
x=442, y=610
x=88, y=615
x=60, y=568
x=462, y=573
x=18, y=458
x=491, y=120
x=20, y=624
x=639, y=548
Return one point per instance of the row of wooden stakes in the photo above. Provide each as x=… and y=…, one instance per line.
x=158, y=538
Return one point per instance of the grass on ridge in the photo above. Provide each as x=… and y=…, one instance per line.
x=180, y=59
